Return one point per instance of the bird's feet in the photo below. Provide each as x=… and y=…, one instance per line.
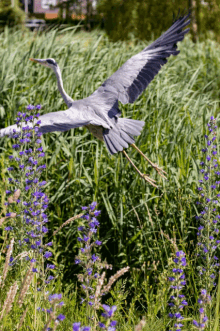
x=144, y=176
x=159, y=170
x=149, y=180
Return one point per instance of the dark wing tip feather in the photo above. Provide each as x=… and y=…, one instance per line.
x=174, y=33
x=160, y=50
x=129, y=81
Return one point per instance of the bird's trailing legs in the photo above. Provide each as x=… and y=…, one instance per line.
x=160, y=171
x=144, y=176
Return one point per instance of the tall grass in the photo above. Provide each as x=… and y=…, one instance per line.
x=175, y=108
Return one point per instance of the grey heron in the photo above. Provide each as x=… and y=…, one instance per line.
x=100, y=111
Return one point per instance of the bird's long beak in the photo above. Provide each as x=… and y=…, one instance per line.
x=43, y=62
x=34, y=60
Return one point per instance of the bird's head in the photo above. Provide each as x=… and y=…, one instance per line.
x=49, y=63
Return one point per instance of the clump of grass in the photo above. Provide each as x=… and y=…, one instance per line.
x=174, y=108
x=92, y=277
x=27, y=228
x=175, y=111
x=208, y=230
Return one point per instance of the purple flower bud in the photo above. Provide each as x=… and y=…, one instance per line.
x=49, y=244
x=97, y=213
x=195, y=323
x=61, y=317
x=15, y=146
x=93, y=205
x=101, y=325
x=47, y=255
x=184, y=302
x=94, y=257
x=50, y=266
x=8, y=228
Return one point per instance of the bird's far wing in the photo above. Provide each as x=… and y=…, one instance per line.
x=56, y=121
x=129, y=81
x=63, y=120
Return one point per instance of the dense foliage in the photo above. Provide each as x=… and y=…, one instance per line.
x=10, y=15
x=175, y=107
x=140, y=19
x=143, y=19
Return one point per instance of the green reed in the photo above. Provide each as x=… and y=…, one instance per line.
x=175, y=107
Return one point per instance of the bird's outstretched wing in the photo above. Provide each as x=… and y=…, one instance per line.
x=57, y=121
x=63, y=120
x=129, y=81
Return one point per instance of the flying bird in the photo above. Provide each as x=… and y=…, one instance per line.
x=100, y=111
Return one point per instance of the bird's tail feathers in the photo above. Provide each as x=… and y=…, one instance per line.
x=121, y=135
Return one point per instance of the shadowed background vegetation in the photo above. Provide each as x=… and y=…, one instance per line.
x=175, y=108
x=146, y=19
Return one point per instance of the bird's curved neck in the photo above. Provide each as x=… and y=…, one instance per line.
x=68, y=100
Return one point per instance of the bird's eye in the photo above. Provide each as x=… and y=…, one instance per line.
x=51, y=62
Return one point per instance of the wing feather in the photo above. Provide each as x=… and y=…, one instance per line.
x=129, y=81
x=73, y=117
x=63, y=121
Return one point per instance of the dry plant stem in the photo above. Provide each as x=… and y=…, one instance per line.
x=56, y=323
x=113, y=278
x=25, y=285
x=149, y=215
x=48, y=322
x=172, y=241
x=140, y=325
x=201, y=321
x=22, y=318
x=67, y=222
x=155, y=166
x=16, y=195
x=98, y=297
x=98, y=290
x=7, y=260
x=21, y=256
x=9, y=299
x=145, y=177
x=2, y=220
x=13, y=215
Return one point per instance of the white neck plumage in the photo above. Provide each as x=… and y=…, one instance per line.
x=68, y=100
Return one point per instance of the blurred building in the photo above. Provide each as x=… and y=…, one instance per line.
x=46, y=7
x=49, y=8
